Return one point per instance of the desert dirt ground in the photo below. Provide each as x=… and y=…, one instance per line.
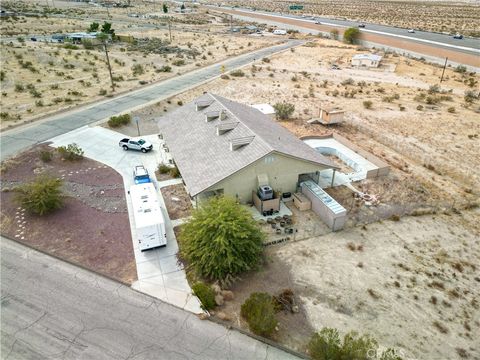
x=40, y=78
x=91, y=230
x=440, y=16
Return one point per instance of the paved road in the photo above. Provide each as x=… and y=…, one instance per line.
x=53, y=310
x=468, y=45
x=16, y=140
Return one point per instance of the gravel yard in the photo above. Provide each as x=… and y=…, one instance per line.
x=91, y=230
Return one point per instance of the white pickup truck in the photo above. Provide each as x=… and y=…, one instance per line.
x=135, y=144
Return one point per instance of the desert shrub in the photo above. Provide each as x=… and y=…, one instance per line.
x=259, y=312
x=19, y=88
x=266, y=60
x=348, y=81
x=70, y=46
x=206, y=295
x=87, y=44
x=71, y=152
x=350, y=36
x=225, y=77
x=294, y=78
x=470, y=96
x=434, y=89
x=284, y=110
x=179, y=62
x=432, y=100
x=137, y=69
x=462, y=69
x=180, y=103
x=102, y=92
x=334, y=34
x=165, y=68
x=221, y=240
x=46, y=156
x=237, y=73
x=174, y=172
x=367, y=104
x=325, y=344
x=117, y=121
x=163, y=169
x=41, y=196
x=451, y=109
x=2, y=75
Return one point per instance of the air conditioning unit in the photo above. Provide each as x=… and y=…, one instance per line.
x=265, y=192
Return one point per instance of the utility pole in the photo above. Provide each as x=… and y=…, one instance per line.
x=231, y=24
x=443, y=72
x=170, y=29
x=108, y=63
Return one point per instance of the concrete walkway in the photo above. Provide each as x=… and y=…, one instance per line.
x=15, y=140
x=158, y=272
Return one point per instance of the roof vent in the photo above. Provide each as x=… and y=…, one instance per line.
x=224, y=127
x=213, y=115
x=202, y=104
x=239, y=142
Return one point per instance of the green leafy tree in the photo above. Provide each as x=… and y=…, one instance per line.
x=325, y=345
x=283, y=111
x=165, y=8
x=93, y=27
x=41, y=196
x=107, y=29
x=221, y=240
x=182, y=7
x=259, y=312
x=206, y=295
x=351, y=35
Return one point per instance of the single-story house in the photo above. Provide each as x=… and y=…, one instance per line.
x=224, y=147
x=366, y=60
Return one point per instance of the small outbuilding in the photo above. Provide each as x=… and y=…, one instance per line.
x=366, y=60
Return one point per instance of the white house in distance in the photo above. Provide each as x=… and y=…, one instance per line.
x=366, y=60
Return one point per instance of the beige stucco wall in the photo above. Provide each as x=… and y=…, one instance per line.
x=282, y=172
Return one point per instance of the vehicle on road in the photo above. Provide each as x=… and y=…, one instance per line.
x=458, y=36
x=317, y=22
x=135, y=144
x=411, y=31
x=140, y=175
x=280, y=32
x=33, y=38
x=148, y=216
x=361, y=25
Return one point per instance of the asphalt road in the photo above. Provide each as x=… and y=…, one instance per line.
x=18, y=139
x=467, y=45
x=54, y=310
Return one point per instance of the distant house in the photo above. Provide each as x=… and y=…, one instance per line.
x=224, y=147
x=366, y=60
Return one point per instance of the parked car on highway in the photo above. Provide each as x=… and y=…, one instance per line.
x=458, y=36
x=411, y=31
x=140, y=175
x=135, y=144
x=33, y=39
x=317, y=22
x=361, y=25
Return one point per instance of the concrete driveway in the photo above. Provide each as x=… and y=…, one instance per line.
x=158, y=273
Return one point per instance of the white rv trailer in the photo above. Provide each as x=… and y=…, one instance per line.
x=149, y=222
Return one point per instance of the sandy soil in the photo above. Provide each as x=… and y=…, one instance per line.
x=177, y=201
x=412, y=284
x=92, y=230
x=41, y=78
